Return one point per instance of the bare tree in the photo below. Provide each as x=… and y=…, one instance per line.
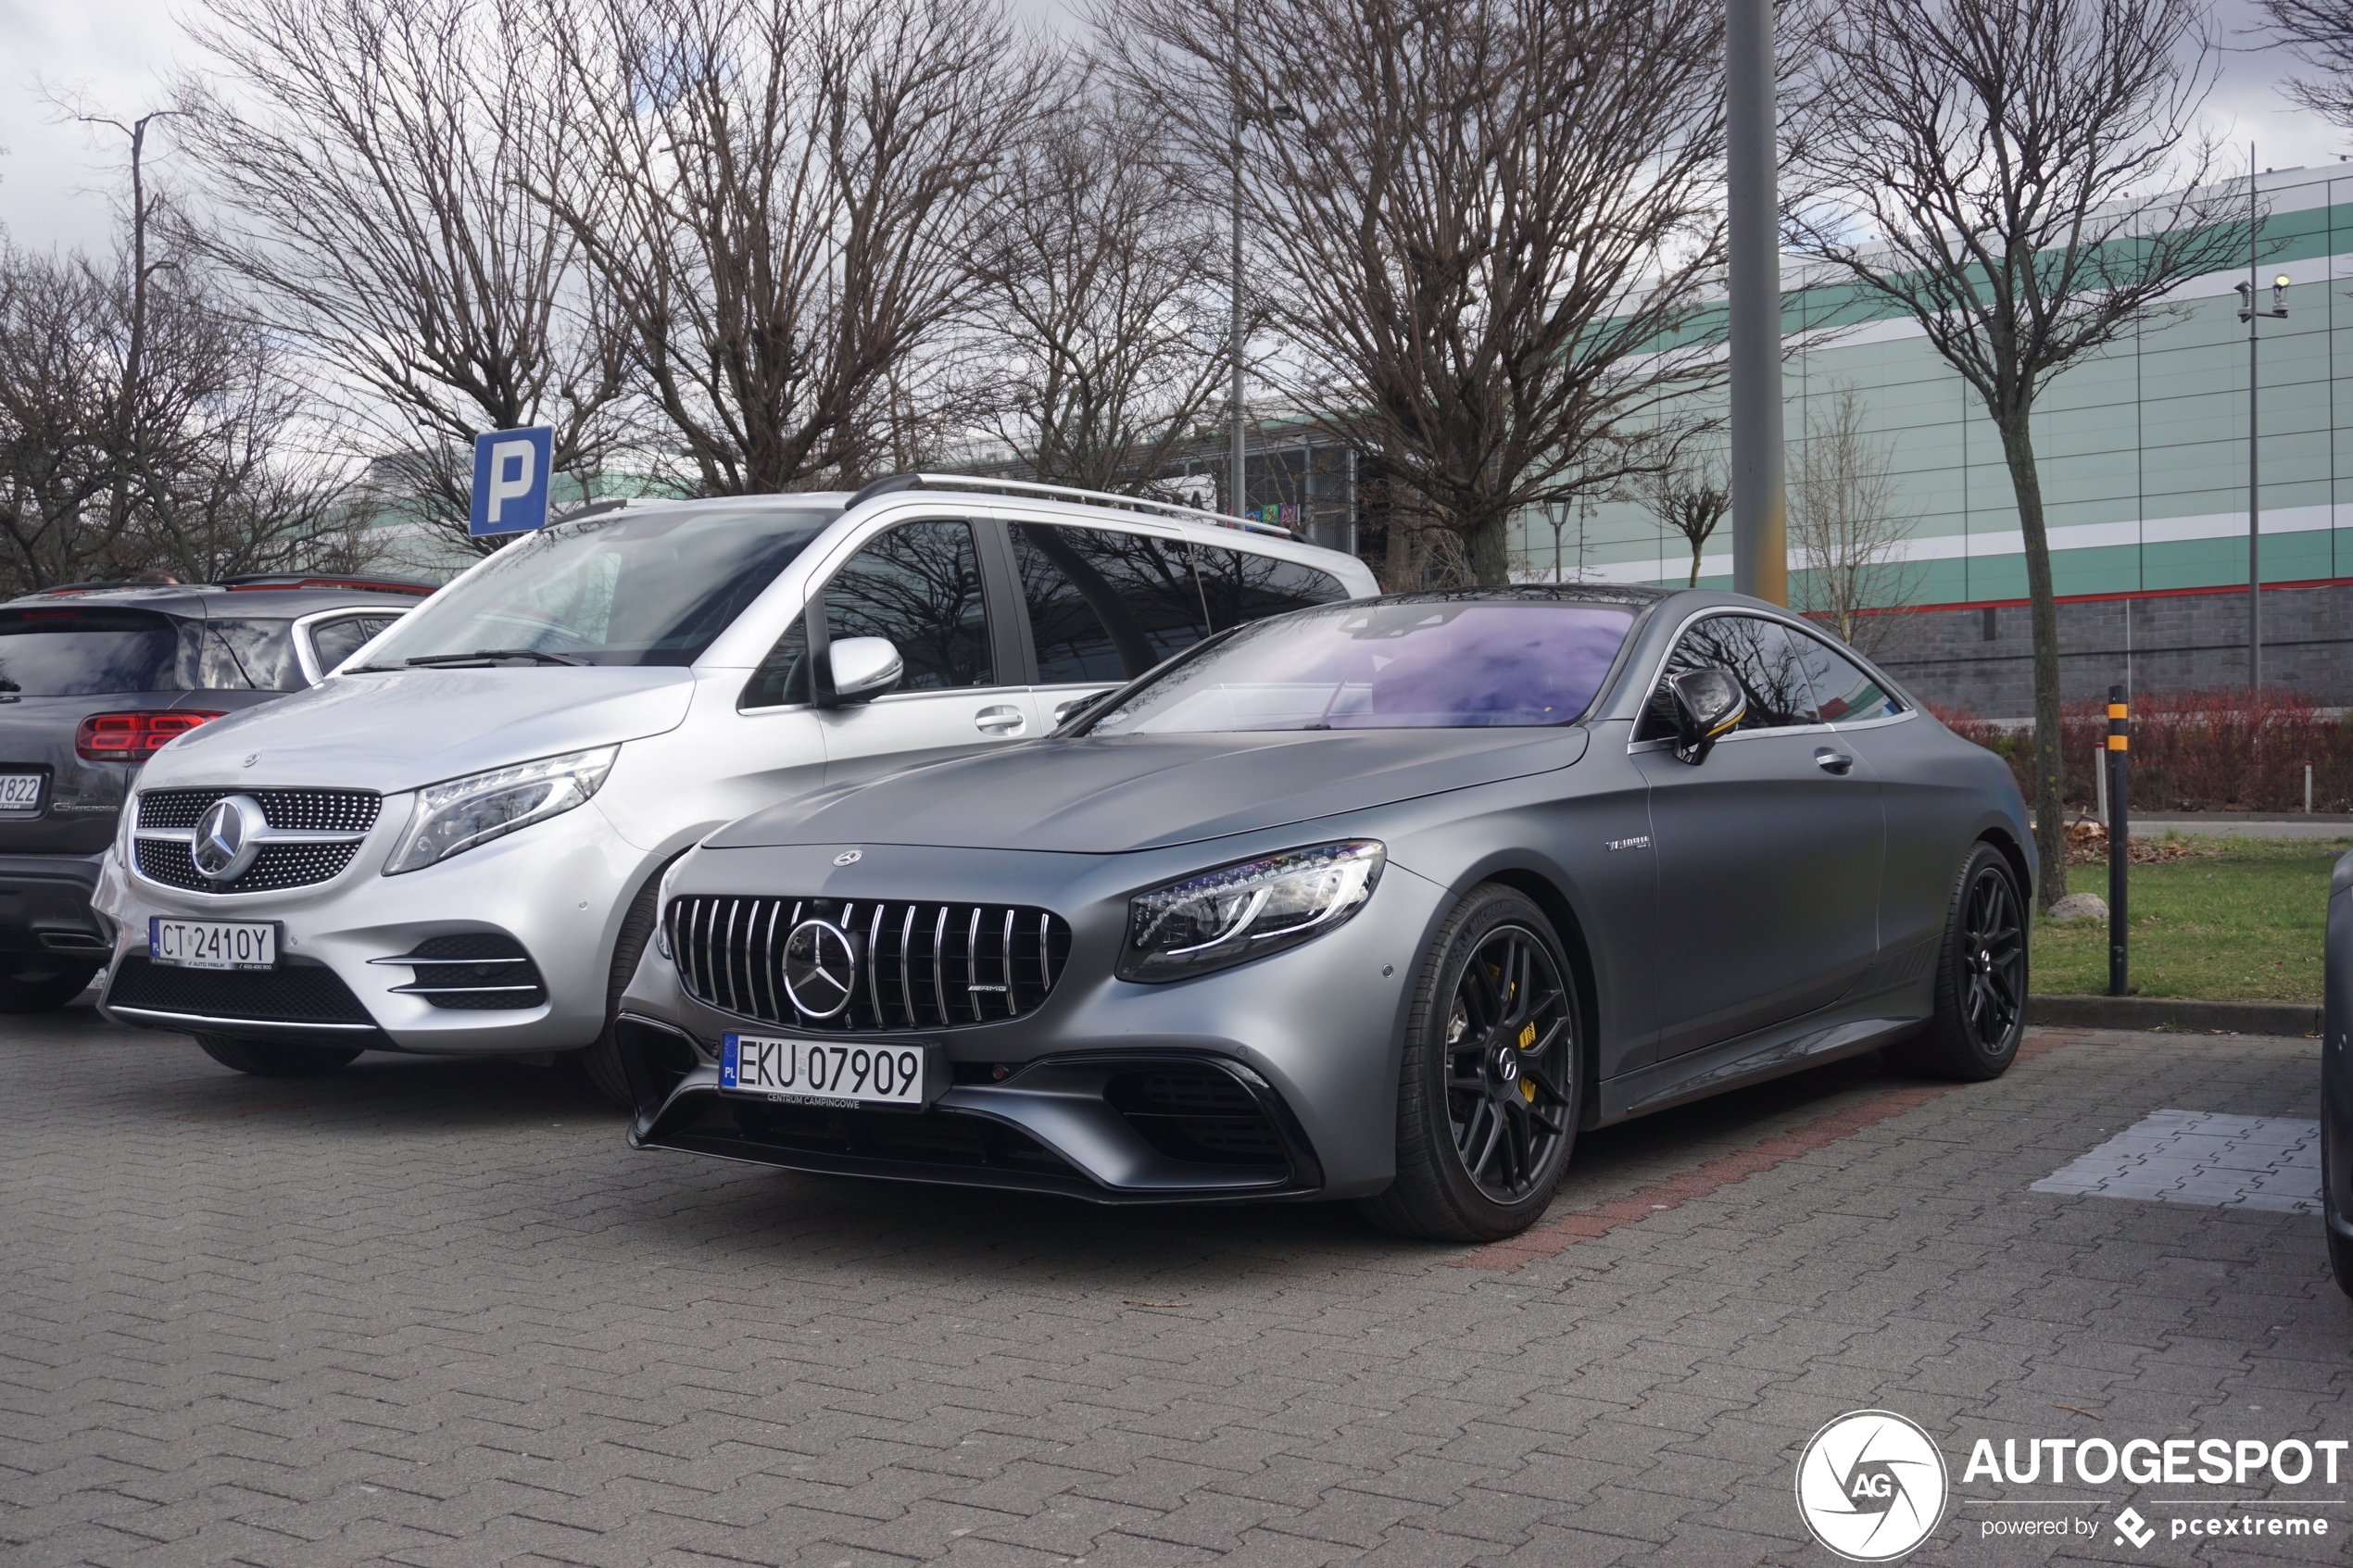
x=777, y=195
x=1848, y=525
x=1693, y=498
x=204, y=473
x=1488, y=222
x=1987, y=166
x=2321, y=33
x=366, y=170
x=58, y=391
x=1096, y=280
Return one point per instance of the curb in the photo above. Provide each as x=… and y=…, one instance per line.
x=2172, y=1012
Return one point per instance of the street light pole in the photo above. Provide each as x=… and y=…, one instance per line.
x=2249, y=314
x=1238, y=493
x=1760, y=546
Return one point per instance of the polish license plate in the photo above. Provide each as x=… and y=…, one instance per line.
x=793, y=1072
x=20, y=792
x=212, y=944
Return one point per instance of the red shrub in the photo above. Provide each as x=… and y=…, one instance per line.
x=2221, y=750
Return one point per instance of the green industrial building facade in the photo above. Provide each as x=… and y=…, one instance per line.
x=2143, y=453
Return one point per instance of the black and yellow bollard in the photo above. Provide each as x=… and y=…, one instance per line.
x=2120, y=842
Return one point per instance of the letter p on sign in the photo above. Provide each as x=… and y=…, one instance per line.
x=510, y=480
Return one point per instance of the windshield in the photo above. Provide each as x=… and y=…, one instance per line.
x=1422, y=665
x=633, y=587
x=74, y=652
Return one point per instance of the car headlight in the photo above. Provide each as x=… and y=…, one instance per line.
x=661, y=909
x=1243, y=912
x=453, y=818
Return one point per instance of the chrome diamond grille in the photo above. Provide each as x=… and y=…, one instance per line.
x=313, y=810
x=279, y=865
x=921, y=965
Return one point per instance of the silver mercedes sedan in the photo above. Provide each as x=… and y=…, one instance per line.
x=1385, y=900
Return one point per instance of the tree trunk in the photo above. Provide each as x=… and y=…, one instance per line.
x=1696, y=549
x=1490, y=552
x=2050, y=827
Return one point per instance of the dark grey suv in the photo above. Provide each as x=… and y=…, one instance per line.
x=95, y=677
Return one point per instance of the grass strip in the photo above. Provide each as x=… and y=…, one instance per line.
x=2241, y=920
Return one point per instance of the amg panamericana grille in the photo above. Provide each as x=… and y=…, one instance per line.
x=920, y=965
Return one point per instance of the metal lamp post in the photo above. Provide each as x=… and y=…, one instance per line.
x=1557, y=513
x=2251, y=316
x=1760, y=545
x=1280, y=109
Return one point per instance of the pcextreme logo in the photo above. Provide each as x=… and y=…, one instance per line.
x=1871, y=1486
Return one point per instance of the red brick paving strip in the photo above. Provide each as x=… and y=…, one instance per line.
x=1551, y=1240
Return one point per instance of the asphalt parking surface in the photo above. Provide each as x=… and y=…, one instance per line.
x=430, y=1313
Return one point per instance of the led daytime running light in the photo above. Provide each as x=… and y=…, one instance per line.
x=461, y=814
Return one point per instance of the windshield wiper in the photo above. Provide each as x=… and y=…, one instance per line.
x=536, y=656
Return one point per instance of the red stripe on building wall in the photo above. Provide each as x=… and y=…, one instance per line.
x=2103, y=599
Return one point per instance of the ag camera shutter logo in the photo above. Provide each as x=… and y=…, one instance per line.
x=1871, y=1486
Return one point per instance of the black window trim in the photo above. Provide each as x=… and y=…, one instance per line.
x=1658, y=673
x=993, y=555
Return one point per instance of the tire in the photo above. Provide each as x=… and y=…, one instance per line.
x=1980, y=979
x=600, y=1061
x=276, y=1059
x=1488, y=1091
x=2340, y=1249
x=41, y=983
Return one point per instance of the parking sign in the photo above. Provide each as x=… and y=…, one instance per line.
x=510, y=480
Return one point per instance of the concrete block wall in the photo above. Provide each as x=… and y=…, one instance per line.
x=1981, y=657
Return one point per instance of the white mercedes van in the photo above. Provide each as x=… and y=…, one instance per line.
x=453, y=845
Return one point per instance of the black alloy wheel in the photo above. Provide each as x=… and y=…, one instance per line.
x=1488, y=1091
x=1508, y=1075
x=1980, y=1014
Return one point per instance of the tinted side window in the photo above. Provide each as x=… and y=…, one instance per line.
x=82, y=652
x=248, y=656
x=1104, y=605
x=1763, y=655
x=919, y=586
x=1840, y=688
x=332, y=642
x=1241, y=586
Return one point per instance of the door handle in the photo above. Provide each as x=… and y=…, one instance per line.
x=999, y=721
x=1832, y=762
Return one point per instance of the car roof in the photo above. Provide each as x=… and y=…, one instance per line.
x=246, y=601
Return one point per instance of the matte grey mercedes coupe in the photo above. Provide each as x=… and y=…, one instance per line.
x=1383, y=900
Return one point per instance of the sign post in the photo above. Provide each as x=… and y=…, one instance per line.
x=511, y=480
x=2119, y=840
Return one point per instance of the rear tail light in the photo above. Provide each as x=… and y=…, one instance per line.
x=132, y=737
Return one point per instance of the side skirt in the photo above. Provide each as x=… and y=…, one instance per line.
x=1750, y=1060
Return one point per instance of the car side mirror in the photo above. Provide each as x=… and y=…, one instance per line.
x=864, y=668
x=1708, y=704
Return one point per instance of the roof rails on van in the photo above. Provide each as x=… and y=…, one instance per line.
x=247, y=582
x=1060, y=492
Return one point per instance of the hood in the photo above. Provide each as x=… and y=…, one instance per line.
x=1149, y=791
x=396, y=732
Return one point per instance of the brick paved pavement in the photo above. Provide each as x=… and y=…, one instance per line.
x=433, y=1314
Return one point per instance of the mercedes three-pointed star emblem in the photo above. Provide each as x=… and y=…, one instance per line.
x=821, y=968
x=227, y=837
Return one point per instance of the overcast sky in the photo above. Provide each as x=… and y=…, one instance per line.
x=118, y=53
